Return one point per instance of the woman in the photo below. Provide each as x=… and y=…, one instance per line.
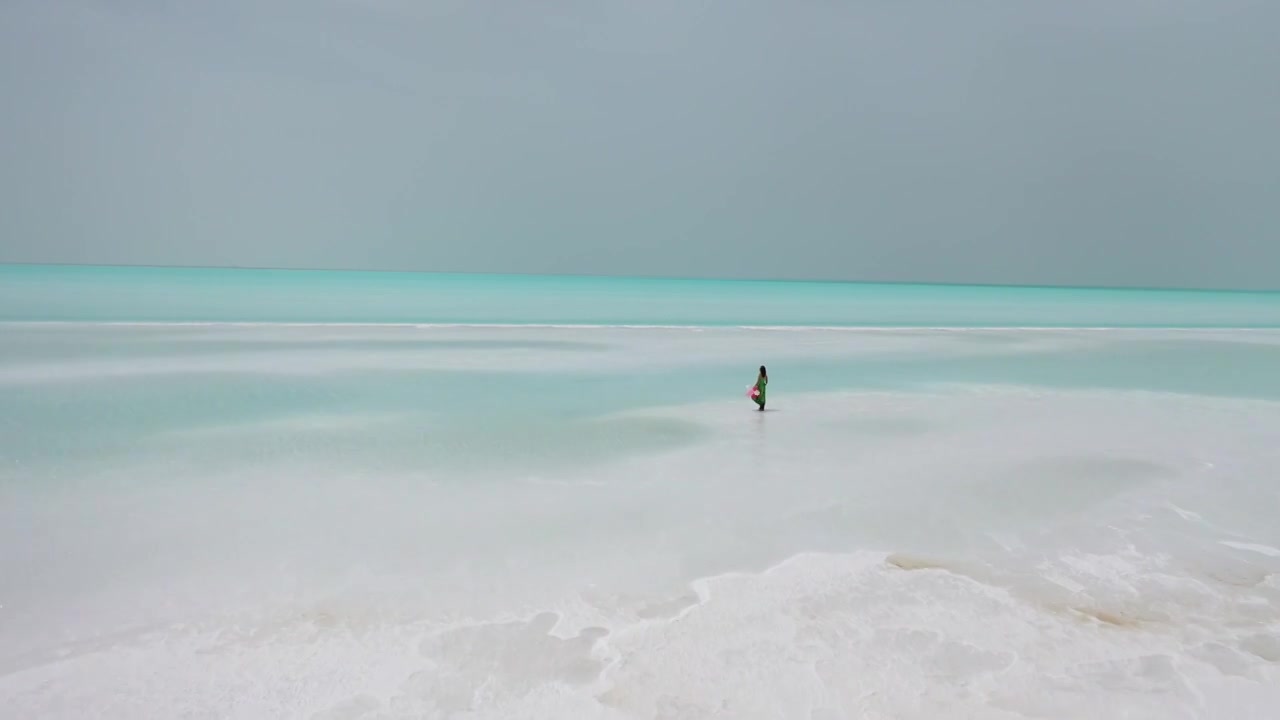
x=761, y=382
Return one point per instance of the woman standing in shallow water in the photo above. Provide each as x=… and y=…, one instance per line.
x=761, y=382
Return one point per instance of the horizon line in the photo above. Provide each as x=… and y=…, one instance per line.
x=684, y=278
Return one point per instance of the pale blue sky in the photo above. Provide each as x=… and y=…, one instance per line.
x=1087, y=142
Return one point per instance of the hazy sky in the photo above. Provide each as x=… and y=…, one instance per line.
x=1073, y=142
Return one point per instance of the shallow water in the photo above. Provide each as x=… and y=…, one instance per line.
x=396, y=521
x=187, y=295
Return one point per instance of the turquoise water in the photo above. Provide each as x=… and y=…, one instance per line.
x=143, y=294
x=351, y=495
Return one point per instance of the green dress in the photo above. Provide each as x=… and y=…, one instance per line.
x=760, y=385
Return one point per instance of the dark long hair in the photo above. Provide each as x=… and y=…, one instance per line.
x=764, y=372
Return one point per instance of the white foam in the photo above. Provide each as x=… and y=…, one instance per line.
x=1252, y=547
x=1187, y=514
